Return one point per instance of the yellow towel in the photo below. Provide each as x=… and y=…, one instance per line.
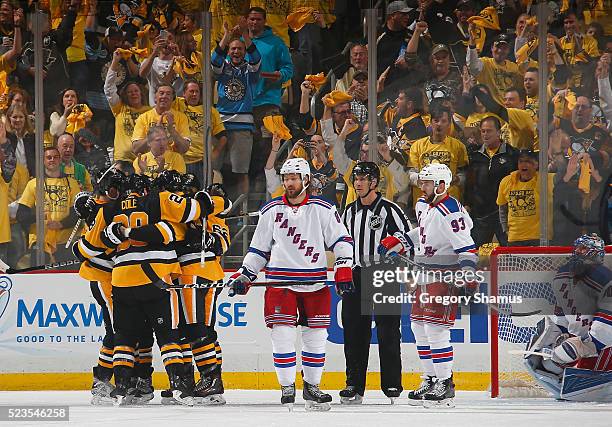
x=139, y=53
x=317, y=80
x=78, y=119
x=487, y=18
x=276, y=125
x=336, y=97
x=300, y=17
x=584, y=180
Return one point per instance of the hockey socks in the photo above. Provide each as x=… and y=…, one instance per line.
x=283, y=351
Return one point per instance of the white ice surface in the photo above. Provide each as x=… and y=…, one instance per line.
x=247, y=408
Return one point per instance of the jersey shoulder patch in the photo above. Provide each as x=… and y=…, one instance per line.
x=318, y=200
x=449, y=205
x=269, y=205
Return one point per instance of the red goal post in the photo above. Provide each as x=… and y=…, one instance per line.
x=509, y=265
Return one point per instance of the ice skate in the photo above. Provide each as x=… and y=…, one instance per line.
x=288, y=396
x=209, y=389
x=415, y=397
x=167, y=398
x=120, y=395
x=180, y=390
x=315, y=399
x=101, y=393
x=142, y=392
x=350, y=396
x=442, y=394
x=392, y=393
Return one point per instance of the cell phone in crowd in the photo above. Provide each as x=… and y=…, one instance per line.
x=164, y=34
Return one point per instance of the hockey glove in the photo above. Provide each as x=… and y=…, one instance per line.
x=114, y=234
x=213, y=244
x=391, y=246
x=344, y=280
x=205, y=202
x=240, y=282
x=84, y=205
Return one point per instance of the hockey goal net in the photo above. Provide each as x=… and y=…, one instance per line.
x=526, y=272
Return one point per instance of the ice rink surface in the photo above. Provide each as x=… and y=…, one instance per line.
x=247, y=408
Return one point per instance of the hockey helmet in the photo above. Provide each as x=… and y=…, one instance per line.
x=299, y=166
x=110, y=182
x=139, y=184
x=191, y=182
x=369, y=169
x=436, y=172
x=168, y=180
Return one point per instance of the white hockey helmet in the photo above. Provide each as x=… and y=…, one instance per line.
x=436, y=172
x=296, y=165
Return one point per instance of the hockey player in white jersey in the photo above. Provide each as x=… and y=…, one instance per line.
x=290, y=241
x=577, y=338
x=442, y=243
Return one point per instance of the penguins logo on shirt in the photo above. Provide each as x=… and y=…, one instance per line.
x=235, y=90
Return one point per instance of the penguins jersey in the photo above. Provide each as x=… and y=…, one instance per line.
x=290, y=242
x=583, y=306
x=138, y=263
x=189, y=249
x=98, y=268
x=442, y=238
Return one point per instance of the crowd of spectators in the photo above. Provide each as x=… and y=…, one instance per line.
x=457, y=83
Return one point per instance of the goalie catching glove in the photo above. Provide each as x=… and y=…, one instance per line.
x=239, y=283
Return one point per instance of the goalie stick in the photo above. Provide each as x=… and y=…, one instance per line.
x=545, y=355
x=493, y=306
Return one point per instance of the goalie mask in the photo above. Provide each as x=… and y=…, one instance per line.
x=589, y=250
x=298, y=166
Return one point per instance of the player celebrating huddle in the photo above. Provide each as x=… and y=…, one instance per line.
x=289, y=241
x=441, y=241
x=580, y=331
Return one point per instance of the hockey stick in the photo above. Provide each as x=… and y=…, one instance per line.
x=52, y=266
x=545, y=355
x=573, y=219
x=80, y=221
x=221, y=284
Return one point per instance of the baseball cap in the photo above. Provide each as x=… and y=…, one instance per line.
x=530, y=154
x=466, y=4
x=398, y=6
x=113, y=31
x=440, y=48
x=502, y=38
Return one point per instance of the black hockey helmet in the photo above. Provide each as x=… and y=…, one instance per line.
x=168, y=180
x=110, y=182
x=191, y=183
x=369, y=169
x=139, y=184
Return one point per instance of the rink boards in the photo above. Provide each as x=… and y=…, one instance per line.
x=51, y=330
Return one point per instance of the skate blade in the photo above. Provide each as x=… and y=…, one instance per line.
x=392, y=399
x=289, y=406
x=212, y=400
x=414, y=402
x=357, y=400
x=169, y=401
x=445, y=403
x=317, y=407
x=121, y=401
x=142, y=400
x=186, y=401
x=102, y=401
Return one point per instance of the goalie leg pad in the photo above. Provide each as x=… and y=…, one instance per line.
x=573, y=349
x=585, y=385
x=547, y=380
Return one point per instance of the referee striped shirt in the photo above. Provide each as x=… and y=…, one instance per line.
x=368, y=225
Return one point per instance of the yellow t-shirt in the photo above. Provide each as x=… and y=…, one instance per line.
x=76, y=51
x=18, y=185
x=173, y=161
x=59, y=200
x=85, y=186
x=499, y=78
x=520, y=132
x=125, y=120
x=523, y=200
x=573, y=54
x=5, y=227
x=450, y=152
x=151, y=117
x=195, y=117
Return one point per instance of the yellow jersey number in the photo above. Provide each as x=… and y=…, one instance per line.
x=135, y=220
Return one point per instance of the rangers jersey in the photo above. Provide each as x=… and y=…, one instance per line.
x=442, y=238
x=583, y=306
x=290, y=241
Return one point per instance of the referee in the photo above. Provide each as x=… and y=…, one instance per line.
x=369, y=219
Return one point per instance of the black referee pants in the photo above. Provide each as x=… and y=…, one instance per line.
x=357, y=335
